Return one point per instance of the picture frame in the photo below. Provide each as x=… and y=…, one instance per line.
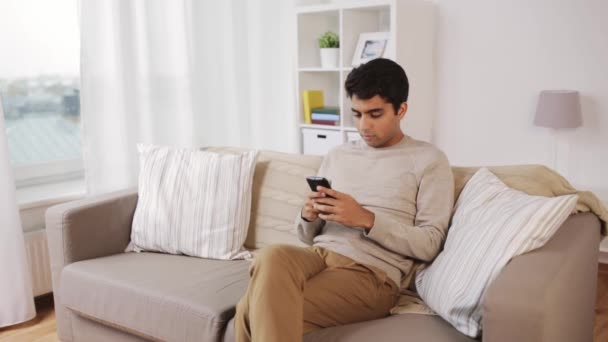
x=370, y=45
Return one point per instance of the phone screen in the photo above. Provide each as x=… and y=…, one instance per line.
x=314, y=181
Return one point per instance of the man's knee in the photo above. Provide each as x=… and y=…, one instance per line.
x=274, y=255
x=276, y=260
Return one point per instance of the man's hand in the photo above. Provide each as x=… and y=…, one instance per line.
x=342, y=209
x=309, y=213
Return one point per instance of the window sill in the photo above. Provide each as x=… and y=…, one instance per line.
x=45, y=195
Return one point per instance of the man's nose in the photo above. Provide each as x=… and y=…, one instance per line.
x=365, y=122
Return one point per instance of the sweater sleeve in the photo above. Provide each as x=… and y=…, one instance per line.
x=308, y=230
x=434, y=205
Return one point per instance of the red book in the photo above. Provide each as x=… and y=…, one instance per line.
x=325, y=122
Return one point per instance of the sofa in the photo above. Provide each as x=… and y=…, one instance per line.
x=104, y=294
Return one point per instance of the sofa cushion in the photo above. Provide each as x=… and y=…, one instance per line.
x=398, y=328
x=279, y=191
x=158, y=296
x=193, y=202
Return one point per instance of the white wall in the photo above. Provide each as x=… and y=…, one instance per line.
x=494, y=56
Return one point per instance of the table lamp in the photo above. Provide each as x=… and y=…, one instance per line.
x=558, y=110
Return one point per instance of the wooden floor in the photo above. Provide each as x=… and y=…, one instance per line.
x=42, y=328
x=600, y=333
x=39, y=329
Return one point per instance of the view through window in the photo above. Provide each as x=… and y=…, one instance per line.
x=39, y=89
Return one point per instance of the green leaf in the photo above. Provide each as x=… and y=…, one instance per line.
x=329, y=40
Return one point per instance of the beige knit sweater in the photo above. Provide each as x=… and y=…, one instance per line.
x=410, y=188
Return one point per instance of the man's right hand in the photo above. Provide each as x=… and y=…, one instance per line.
x=309, y=213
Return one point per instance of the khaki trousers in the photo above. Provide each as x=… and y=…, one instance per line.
x=296, y=290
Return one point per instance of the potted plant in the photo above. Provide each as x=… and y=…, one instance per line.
x=329, y=43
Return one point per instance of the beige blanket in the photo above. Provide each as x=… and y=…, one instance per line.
x=538, y=180
x=535, y=180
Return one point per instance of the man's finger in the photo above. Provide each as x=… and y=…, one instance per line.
x=325, y=208
x=326, y=200
x=331, y=192
x=326, y=217
x=330, y=217
x=314, y=194
x=311, y=209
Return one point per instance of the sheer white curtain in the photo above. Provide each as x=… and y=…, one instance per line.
x=183, y=73
x=16, y=296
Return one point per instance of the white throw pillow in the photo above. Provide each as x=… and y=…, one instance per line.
x=193, y=202
x=492, y=223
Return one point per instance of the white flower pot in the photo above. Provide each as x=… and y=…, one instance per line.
x=329, y=57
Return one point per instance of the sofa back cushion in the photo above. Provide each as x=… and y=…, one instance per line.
x=279, y=190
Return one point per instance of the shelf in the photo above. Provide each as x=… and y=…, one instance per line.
x=360, y=4
x=327, y=82
x=356, y=21
x=411, y=27
x=310, y=26
x=317, y=8
x=332, y=128
x=319, y=69
x=327, y=127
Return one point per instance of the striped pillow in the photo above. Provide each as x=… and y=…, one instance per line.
x=193, y=202
x=492, y=223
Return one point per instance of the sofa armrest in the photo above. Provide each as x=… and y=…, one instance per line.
x=90, y=228
x=548, y=294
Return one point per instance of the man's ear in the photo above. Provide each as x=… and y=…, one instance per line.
x=402, y=110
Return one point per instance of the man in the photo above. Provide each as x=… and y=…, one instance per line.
x=392, y=200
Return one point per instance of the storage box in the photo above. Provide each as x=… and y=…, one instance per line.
x=319, y=141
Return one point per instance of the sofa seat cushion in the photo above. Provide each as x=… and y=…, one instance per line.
x=157, y=296
x=397, y=328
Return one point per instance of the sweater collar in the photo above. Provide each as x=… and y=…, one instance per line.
x=404, y=140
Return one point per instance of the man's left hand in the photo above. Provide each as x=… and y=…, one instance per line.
x=343, y=209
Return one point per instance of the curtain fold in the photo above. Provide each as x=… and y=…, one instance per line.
x=16, y=296
x=183, y=73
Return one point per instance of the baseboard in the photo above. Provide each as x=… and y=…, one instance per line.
x=603, y=258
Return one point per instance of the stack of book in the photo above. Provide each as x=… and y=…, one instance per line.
x=311, y=99
x=315, y=111
x=325, y=116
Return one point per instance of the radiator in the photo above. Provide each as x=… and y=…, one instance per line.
x=37, y=252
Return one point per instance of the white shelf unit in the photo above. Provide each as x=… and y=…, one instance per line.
x=411, y=27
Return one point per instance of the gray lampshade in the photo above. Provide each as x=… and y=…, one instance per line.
x=558, y=109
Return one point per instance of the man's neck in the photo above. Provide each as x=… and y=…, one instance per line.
x=394, y=140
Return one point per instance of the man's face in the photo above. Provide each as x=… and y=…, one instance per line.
x=376, y=121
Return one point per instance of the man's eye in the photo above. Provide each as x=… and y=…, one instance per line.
x=376, y=115
x=357, y=115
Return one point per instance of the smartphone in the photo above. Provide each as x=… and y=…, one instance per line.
x=314, y=181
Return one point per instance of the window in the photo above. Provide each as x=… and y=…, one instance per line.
x=39, y=90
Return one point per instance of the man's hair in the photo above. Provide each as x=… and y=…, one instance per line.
x=381, y=77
